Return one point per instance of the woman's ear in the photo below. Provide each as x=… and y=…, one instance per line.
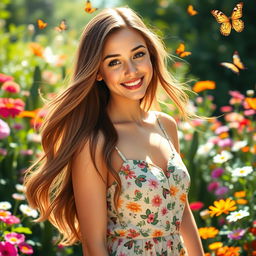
x=99, y=77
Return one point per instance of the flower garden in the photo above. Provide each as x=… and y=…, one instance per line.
x=220, y=154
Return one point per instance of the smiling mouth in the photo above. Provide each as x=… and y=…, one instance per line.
x=133, y=84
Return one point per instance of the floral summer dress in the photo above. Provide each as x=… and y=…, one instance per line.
x=150, y=208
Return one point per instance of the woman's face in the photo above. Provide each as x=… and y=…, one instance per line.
x=126, y=66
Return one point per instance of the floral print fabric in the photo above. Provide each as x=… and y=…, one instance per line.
x=150, y=209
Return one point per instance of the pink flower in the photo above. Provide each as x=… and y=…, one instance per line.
x=225, y=109
x=7, y=249
x=10, y=220
x=236, y=94
x=142, y=164
x=156, y=201
x=222, y=129
x=221, y=191
x=249, y=112
x=25, y=248
x=3, y=152
x=4, y=129
x=216, y=173
x=151, y=217
x=196, y=206
x=11, y=86
x=11, y=107
x=4, y=78
x=213, y=186
x=14, y=238
x=225, y=143
x=153, y=183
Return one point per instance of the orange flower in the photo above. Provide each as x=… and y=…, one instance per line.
x=157, y=233
x=37, y=49
x=173, y=190
x=222, y=206
x=119, y=203
x=215, y=246
x=134, y=207
x=183, y=197
x=228, y=251
x=204, y=85
x=245, y=149
x=240, y=194
x=241, y=201
x=251, y=102
x=208, y=232
x=121, y=232
x=224, y=135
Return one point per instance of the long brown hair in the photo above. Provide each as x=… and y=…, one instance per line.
x=78, y=113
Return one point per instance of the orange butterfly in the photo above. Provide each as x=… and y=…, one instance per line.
x=62, y=26
x=237, y=64
x=227, y=23
x=181, y=51
x=41, y=24
x=191, y=11
x=88, y=7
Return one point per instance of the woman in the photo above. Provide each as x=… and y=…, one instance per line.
x=111, y=175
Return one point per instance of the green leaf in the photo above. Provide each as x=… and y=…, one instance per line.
x=24, y=230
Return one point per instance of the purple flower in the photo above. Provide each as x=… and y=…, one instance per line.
x=216, y=173
x=225, y=143
x=221, y=191
x=213, y=186
x=4, y=129
x=236, y=234
x=7, y=249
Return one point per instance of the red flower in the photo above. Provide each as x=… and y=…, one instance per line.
x=196, y=206
x=4, y=78
x=10, y=86
x=156, y=201
x=11, y=107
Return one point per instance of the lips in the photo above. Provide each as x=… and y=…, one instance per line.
x=133, y=84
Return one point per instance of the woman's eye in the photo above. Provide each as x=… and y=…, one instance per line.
x=139, y=54
x=113, y=63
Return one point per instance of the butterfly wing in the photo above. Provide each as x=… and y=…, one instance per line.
x=62, y=26
x=41, y=24
x=230, y=66
x=237, y=13
x=180, y=49
x=185, y=54
x=88, y=7
x=191, y=11
x=221, y=18
x=237, y=61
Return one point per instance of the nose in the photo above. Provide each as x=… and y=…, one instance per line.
x=130, y=68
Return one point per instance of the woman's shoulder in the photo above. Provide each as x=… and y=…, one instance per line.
x=166, y=119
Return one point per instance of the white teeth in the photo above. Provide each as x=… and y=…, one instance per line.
x=133, y=83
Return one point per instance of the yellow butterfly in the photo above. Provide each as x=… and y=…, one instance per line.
x=41, y=24
x=181, y=51
x=88, y=7
x=237, y=64
x=227, y=23
x=191, y=11
x=62, y=26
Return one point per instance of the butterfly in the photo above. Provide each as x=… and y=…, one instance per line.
x=88, y=7
x=62, y=26
x=181, y=51
x=227, y=23
x=41, y=24
x=191, y=11
x=237, y=64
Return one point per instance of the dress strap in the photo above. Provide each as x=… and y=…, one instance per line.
x=163, y=130
x=120, y=154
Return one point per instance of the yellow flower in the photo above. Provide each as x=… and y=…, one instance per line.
x=208, y=232
x=222, y=206
x=215, y=246
x=134, y=207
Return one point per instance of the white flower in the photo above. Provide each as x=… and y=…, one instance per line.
x=222, y=157
x=234, y=216
x=238, y=145
x=242, y=171
x=20, y=187
x=25, y=209
x=205, y=148
x=34, y=137
x=18, y=196
x=5, y=205
x=49, y=56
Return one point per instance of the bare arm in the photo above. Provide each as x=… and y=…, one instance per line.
x=189, y=229
x=90, y=199
x=190, y=234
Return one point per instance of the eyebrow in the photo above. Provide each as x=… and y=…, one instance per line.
x=117, y=55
